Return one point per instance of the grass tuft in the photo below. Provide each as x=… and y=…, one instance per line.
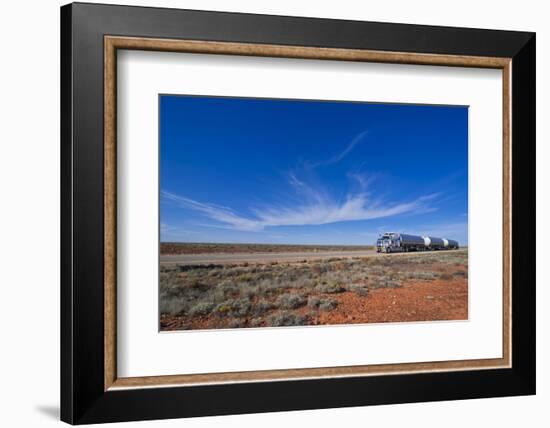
x=286, y=318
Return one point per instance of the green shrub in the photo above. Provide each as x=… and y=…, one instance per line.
x=236, y=323
x=329, y=287
x=256, y=322
x=313, y=302
x=322, y=304
x=360, y=290
x=385, y=282
x=328, y=305
x=236, y=308
x=290, y=301
x=262, y=306
x=285, y=318
x=424, y=276
x=201, y=308
x=171, y=305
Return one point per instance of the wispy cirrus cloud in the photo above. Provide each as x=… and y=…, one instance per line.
x=339, y=156
x=314, y=207
x=224, y=215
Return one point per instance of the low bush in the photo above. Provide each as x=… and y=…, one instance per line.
x=313, y=302
x=385, y=282
x=284, y=318
x=290, y=301
x=329, y=287
x=360, y=290
x=261, y=307
x=328, y=305
x=256, y=322
x=236, y=308
x=172, y=305
x=424, y=276
x=201, y=308
x=236, y=323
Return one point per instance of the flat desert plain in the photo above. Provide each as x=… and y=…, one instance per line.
x=215, y=286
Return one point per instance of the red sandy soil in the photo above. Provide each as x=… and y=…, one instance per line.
x=415, y=301
x=435, y=300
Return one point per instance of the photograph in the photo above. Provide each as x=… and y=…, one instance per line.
x=283, y=212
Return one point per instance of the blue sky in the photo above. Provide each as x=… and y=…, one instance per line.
x=310, y=172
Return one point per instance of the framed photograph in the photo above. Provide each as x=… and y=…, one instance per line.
x=266, y=213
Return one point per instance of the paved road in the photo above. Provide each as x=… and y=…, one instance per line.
x=221, y=258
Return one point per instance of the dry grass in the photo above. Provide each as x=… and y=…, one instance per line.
x=281, y=294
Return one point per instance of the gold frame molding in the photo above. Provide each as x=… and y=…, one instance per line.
x=113, y=43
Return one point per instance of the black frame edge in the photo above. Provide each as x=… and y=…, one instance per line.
x=66, y=316
x=303, y=31
x=524, y=213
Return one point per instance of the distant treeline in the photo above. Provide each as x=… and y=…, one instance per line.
x=202, y=248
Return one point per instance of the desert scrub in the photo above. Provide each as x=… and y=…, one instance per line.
x=201, y=308
x=378, y=271
x=360, y=290
x=187, y=268
x=424, y=276
x=322, y=304
x=290, y=301
x=172, y=305
x=445, y=276
x=261, y=307
x=328, y=305
x=268, y=287
x=285, y=318
x=256, y=322
x=248, y=290
x=329, y=287
x=384, y=282
x=236, y=323
x=303, y=282
x=318, y=269
x=235, y=308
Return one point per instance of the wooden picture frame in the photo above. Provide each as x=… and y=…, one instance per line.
x=91, y=390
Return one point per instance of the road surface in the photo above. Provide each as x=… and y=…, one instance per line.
x=221, y=258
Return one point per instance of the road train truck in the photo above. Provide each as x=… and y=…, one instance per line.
x=392, y=242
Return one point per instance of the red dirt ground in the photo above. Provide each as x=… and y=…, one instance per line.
x=414, y=301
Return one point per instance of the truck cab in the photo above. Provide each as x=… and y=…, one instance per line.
x=388, y=242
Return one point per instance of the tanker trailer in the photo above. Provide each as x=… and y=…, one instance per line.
x=453, y=245
x=436, y=243
x=412, y=242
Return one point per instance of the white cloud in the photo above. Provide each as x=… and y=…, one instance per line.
x=338, y=157
x=314, y=207
x=215, y=212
